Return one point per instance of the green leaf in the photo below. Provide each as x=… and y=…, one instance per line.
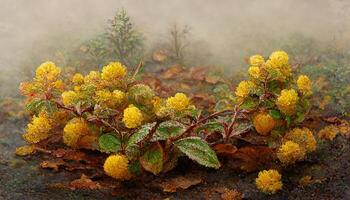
x=289, y=120
x=249, y=104
x=275, y=114
x=168, y=129
x=152, y=159
x=135, y=167
x=300, y=117
x=198, y=150
x=140, y=134
x=211, y=127
x=109, y=143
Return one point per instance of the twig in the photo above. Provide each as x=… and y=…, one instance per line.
x=137, y=69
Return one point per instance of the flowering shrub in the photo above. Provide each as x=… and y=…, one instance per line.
x=110, y=112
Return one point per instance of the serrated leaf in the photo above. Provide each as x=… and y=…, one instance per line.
x=249, y=104
x=275, y=114
x=211, y=127
x=140, y=134
x=198, y=150
x=152, y=159
x=168, y=129
x=109, y=143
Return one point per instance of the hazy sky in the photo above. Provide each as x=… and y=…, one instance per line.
x=229, y=26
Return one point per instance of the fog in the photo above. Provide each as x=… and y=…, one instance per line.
x=232, y=28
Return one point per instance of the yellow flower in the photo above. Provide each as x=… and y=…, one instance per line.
x=47, y=71
x=303, y=137
x=279, y=59
x=278, y=65
x=74, y=130
x=119, y=96
x=254, y=71
x=78, y=79
x=132, y=117
x=304, y=84
x=243, y=89
x=290, y=152
x=256, y=60
x=159, y=107
x=93, y=78
x=58, y=85
x=269, y=181
x=113, y=72
x=116, y=166
x=328, y=132
x=69, y=97
x=263, y=123
x=38, y=129
x=179, y=102
x=287, y=101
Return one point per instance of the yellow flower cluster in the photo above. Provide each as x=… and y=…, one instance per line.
x=179, y=102
x=113, y=73
x=328, y=132
x=263, y=123
x=290, y=152
x=74, y=130
x=38, y=129
x=116, y=166
x=256, y=60
x=47, y=71
x=78, y=79
x=269, y=181
x=278, y=65
x=304, y=84
x=159, y=107
x=69, y=97
x=93, y=78
x=25, y=150
x=303, y=137
x=287, y=101
x=132, y=117
x=109, y=99
x=255, y=72
x=243, y=89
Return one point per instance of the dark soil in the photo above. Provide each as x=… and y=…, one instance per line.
x=22, y=178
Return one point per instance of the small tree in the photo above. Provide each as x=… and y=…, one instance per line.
x=178, y=42
x=123, y=41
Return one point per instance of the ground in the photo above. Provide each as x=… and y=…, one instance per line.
x=22, y=178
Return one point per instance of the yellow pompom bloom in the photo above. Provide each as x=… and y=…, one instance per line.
x=132, y=117
x=38, y=129
x=287, y=101
x=116, y=166
x=290, y=152
x=58, y=85
x=74, y=130
x=69, y=97
x=303, y=137
x=254, y=72
x=159, y=107
x=278, y=65
x=113, y=71
x=328, y=132
x=103, y=97
x=243, y=89
x=256, y=60
x=269, y=181
x=179, y=102
x=304, y=84
x=47, y=71
x=78, y=79
x=263, y=123
x=279, y=58
x=119, y=96
x=92, y=78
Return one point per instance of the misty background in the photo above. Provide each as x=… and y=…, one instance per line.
x=34, y=31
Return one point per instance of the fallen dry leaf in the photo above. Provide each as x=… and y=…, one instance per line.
x=25, y=150
x=84, y=182
x=181, y=182
x=48, y=164
x=226, y=149
x=231, y=195
x=250, y=158
x=172, y=72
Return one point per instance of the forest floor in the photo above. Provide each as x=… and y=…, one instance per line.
x=23, y=178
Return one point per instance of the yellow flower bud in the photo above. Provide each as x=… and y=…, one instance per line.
x=116, y=166
x=269, y=181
